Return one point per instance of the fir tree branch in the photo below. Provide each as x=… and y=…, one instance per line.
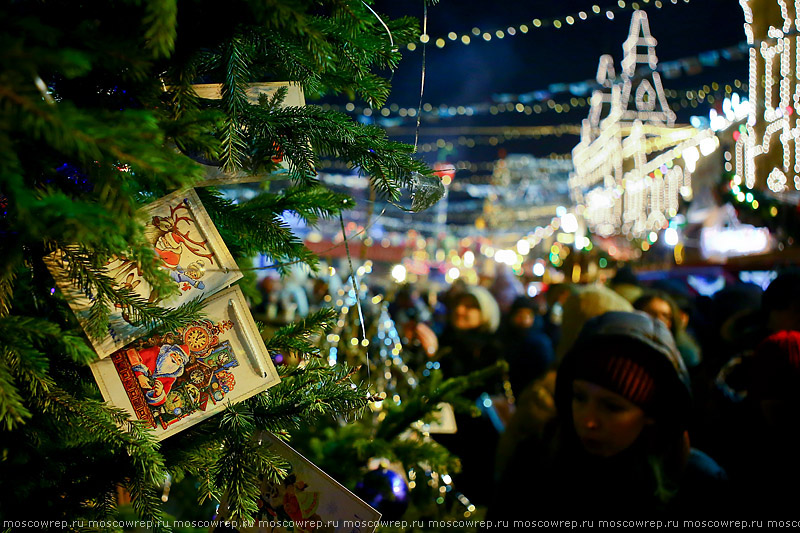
x=125, y=137
x=6, y=290
x=305, y=394
x=102, y=424
x=239, y=469
x=388, y=163
x=87, y=277
x=297, y=336
x=426, y=398
x=234, y=102
x=27, y=332
x=30, y=366
x=310, y=204
x=161, y=22
x=255, y=232
x=12, y=411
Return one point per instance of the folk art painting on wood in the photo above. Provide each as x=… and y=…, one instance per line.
x=187, y=245
x=174, y=380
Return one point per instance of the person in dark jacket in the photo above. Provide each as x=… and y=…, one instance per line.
x=527, y=349
x=759, y=442
x=467, y=344
x=618, y=447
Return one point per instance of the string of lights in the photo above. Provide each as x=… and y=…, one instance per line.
x=508, y=134
x=478, y=34
x=774, y=57
x=682, y=99
x=472, y=166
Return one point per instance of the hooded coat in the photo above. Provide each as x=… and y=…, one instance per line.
x=657, y=476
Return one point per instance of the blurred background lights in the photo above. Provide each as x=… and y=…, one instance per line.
x=569, y=223
x=671, y=236
x=691, y=156
x=469, y=259
x=399, y=273
x=508, y=257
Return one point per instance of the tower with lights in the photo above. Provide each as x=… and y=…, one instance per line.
x=633, y=164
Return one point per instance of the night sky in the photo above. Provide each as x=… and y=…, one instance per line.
x=478, y=72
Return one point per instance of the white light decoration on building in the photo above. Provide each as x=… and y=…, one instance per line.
x=734, y=109
x=690, y=158
x=767, y=152
x=629, y=173
x=730, y=242
x=569, y=223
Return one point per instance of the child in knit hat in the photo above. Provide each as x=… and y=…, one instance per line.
x=618, y=446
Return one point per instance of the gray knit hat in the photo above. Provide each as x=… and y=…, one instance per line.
x=634, y=355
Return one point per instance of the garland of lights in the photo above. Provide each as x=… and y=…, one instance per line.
x=776, y=56
x=557, y=22
x=684, y=99
x=619, y=188
x=523, y=181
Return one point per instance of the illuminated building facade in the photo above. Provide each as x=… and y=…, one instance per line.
x=633, y=164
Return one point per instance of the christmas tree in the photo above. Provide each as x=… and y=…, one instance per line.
x=101, y=118
x=388, y=456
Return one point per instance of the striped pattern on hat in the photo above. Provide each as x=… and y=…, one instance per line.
x=630, y=380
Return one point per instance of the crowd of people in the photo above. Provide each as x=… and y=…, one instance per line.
x=623, y=399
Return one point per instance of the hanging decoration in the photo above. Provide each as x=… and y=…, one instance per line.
x=188, y=247
x=633, y=163
x=174, y=380
x=767, y=152
x=386, y=490
x=213, y=91
x=306, y=500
